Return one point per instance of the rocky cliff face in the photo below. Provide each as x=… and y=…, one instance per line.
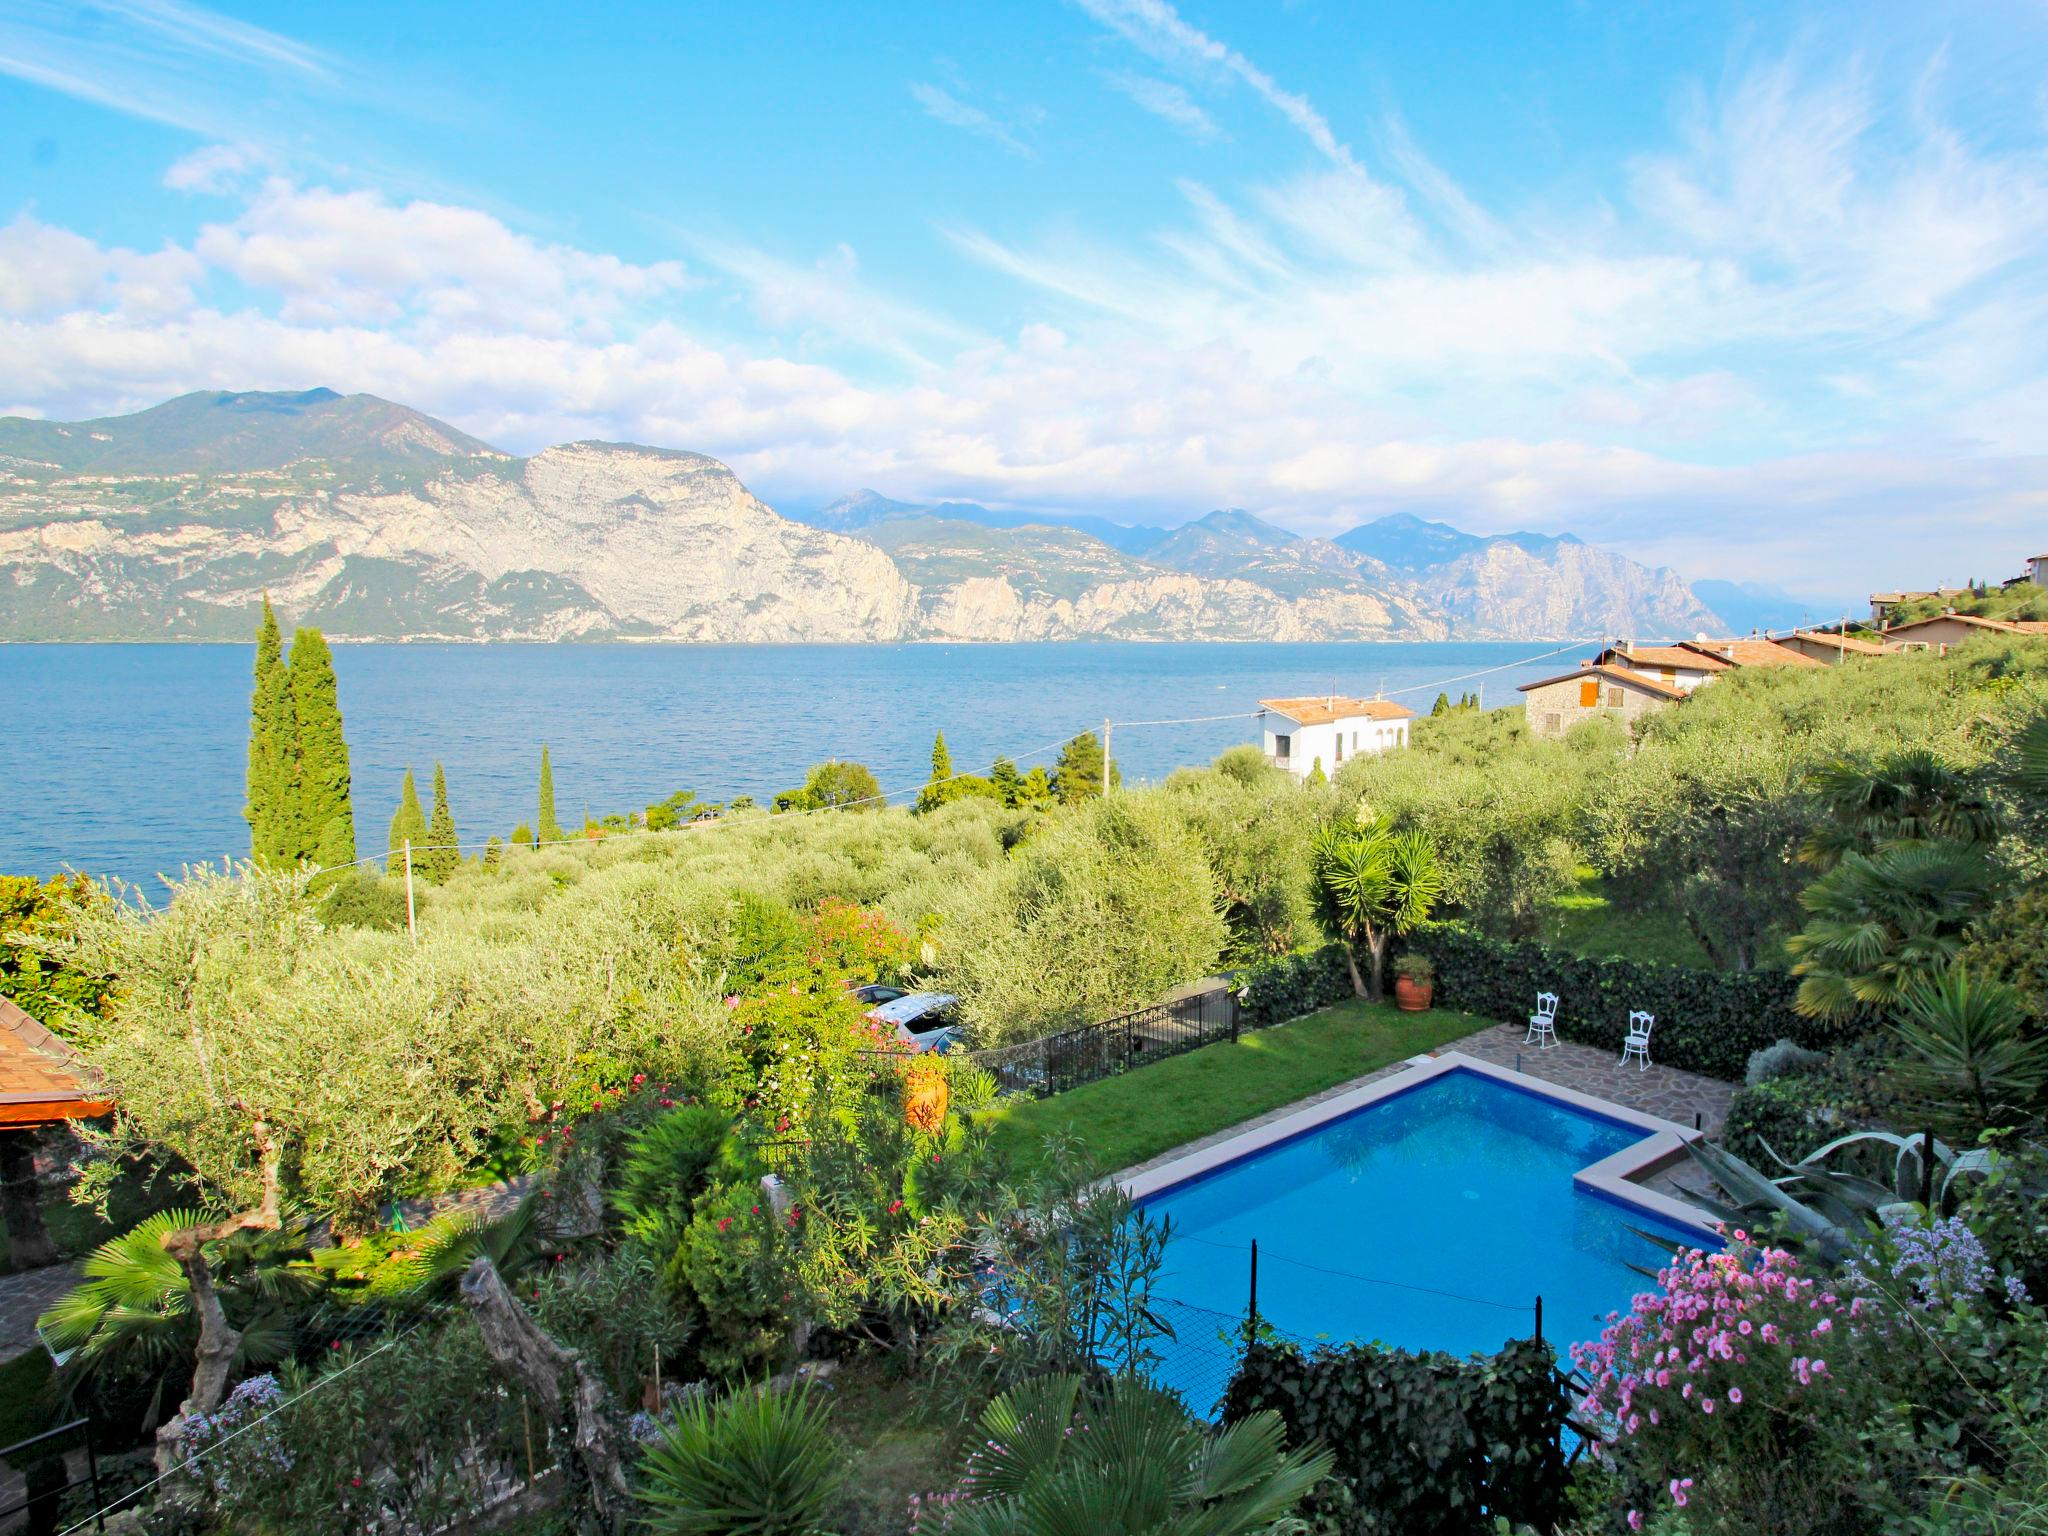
x=392, y=525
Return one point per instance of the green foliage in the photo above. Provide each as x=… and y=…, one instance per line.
x=408, y=825
x=757, y=1462
x=550, y=830
x=33, y=912
x=1056, y=1459
x=1288, y=986
x=665, y=1167
x=735, y=1262
x=1427, y=1443
x=1077, y=773
x=681, y=807
x=834, y=785
x=270, y=808
x=2007, y=942
x=131, y=1313
x=1006, y=785
x=1100, y=913
x=1882, y=921
x=1707, y=1021
x=1792, y=1116
x=1914, y=796
x=522, y=836
x=367, y=899
x=444, y=851
x=1968, y=1056
x=1373, y=886
x=1255, y=827
x=324, y=816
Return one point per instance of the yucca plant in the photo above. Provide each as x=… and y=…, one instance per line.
x=1373, y=885
x=1127, y=1460
x=1969, y=1056
x=757, y=1462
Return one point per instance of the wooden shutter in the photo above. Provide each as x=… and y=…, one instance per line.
x=1589, y=693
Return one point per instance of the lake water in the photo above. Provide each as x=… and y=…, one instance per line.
x=129, y=759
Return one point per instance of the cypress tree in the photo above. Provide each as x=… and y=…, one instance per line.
x=1004, y=779
x=942, y=760
x=409, y=825
x=444, y=856
x=548, y=830
x=1442, y=705
x=938, y=790
x=325, y=819
x=1078, y=773
x=270, y=812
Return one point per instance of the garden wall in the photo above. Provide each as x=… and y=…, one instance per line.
x=1707, y=1021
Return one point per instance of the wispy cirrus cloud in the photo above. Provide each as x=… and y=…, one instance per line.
x=950, y=109
x=1168, y=102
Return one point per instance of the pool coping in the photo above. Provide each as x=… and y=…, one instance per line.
x=1615, y=1177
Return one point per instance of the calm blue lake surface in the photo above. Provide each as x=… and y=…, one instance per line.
x=129, y=759
x=1428, y=1221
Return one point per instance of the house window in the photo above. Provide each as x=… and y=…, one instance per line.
x=1282, y=746
x=1340, y=746
x=1550, y=723
x=1669, y=674
x=1614, y=696
x=1589, y=693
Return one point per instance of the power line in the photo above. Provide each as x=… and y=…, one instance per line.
x=882, y=798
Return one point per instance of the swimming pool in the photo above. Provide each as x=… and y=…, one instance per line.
x=1429, y=1217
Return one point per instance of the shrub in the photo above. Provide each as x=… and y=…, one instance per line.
x=759, y=1462
x=1707, y=1021
x=665, y=1167
x=1784, y=1059
x=1288, y=986
x=734, y=1262
x=1791, y=1116
x=1427, y=1443
x=1415, y=968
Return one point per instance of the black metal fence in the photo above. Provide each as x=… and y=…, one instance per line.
x=47, y=1476
x=1054, y=1063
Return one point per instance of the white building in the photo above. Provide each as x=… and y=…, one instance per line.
x=1301, y=733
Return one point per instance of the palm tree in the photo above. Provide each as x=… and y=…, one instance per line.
x=1881, y=921
x=1372, y=885
x=133, y=1311
x=1129, y=1460
x=1969, y=1057
x=1911, y=796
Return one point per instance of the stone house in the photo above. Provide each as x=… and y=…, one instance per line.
x=1556, y=704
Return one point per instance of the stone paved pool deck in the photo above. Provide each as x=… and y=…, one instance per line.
x=1668, y=1092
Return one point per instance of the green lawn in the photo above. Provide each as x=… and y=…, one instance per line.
x=1124, y=1120
x=1585, y=922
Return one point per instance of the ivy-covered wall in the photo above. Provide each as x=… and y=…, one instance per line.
x=1707, y=1021
x=1428, y=1444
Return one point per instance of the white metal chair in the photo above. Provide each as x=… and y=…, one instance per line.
x=1638, y=1042
x=1543, y=1022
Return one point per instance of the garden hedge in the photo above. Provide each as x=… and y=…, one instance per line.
x=1429, y=1444
x=1288, y=986
x=1707, y=1021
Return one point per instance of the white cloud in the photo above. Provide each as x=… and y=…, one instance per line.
x=948, y=108
x=1168, y=102
x=216, y=168
x=1808, y=346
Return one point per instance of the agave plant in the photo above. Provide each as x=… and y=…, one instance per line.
x=1829, y=1208
x=1128, y=1460
x=132, y=1313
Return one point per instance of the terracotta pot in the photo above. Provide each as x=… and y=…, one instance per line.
x=1412, y=996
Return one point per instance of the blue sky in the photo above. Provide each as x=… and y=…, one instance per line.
x=1753, y=292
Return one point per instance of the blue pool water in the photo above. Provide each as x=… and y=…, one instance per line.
x=1461, y=1186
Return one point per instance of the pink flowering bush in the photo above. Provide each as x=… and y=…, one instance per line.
x=1708, y=1392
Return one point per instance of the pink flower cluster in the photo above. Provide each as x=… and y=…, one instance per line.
x=1740, y=1326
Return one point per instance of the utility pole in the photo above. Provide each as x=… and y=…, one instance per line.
x=412, y=925
x=1105, y=757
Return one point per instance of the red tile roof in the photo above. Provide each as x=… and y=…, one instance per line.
x=1751, y=653
x=1676, y=657
x=1846, y=643
x=42, y=1080
x=1324, y=709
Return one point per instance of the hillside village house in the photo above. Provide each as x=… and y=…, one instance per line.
x=2037, y=569
x=1301, y=733
x=1829, y=649
x=1675, y=666
x=1947, y=629
x=1556, y=704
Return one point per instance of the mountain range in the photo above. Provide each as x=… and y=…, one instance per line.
x=376, y=521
